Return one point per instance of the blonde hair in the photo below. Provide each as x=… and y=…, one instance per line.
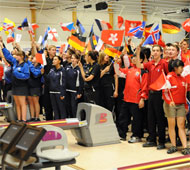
x=101, y=58
x=51, y=46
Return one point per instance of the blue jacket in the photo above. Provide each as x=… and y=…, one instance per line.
x=8, y=75
x=57, y=81
x=20, y=72
x=74, y=81
x=35, y=75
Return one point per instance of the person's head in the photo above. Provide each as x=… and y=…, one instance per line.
x=91, y=57
x=156, y=52
x=52, y=51
x=57, y=61
x=103, y=58
x=75, y=59
x=134, y=59
x=173, y=52
x=69, y=54
x=121, y=61
x=176, y=66
x=145, y=54
x=167, y=50
x=19, y=56
x=184, y=45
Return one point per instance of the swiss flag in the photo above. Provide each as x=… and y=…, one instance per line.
x=161, y=83
x=130, y=25
x=186, y=25
x=112, y=37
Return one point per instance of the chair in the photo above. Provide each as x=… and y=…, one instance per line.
x=54, y=146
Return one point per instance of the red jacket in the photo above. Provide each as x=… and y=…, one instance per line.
x=178, y=90
x=133, y=85
x=1, y=72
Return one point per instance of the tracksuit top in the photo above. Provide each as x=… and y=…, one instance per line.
x=133, y=84
x=35, y=75
x=74, y=81
x=20, y=72
x=178, y=89
x=57, y=81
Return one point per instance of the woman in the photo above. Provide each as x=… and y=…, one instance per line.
x=57, y=88
x=34, y=84
x=74, y=86
x=108, y=82
x=174, y=105
x=20, y=76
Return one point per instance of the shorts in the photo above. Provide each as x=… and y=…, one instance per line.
x=174, y=111
x=34, y=91
x=20, y=91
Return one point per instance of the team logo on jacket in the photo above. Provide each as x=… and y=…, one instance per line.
x=158, y=70
x=137, y=73
x=183, y=83
x=19, y=69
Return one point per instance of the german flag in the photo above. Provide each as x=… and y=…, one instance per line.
x=92, y=41
x=77, y=42
x=170, y=27
x=147, y=30
x=113, y=52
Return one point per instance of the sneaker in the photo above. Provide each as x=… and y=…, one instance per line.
x=172, y=150
x=37, y=119
x=123, y=139
x=134, y=139
x=161, y=146
x=185, y=151
x=149, y=144
x=32, y=119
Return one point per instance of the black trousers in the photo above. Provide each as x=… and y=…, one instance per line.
x=156, y=117
x=106, y=97
x=58, y=106
x=128, y=110
x=92, y=95
x=71, y=104
x=47, y=104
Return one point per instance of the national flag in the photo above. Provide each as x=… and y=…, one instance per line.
x=120, y=21
x=41, y=58
x=45, y=37
x=154, y=37
x=112, y=37
x=77, y=42
x=103, y=25
x=140, y=31
x=80, y=28
x=186, y=73
x=126, y=47
x=147, y=30
x=92, y=41
x=170, y=27
x=113, y=52
x=100, y=43
x=160, y=41
x=130, y=25
x=52, y=34
x=8, y=26
x=24, y=25
x=67, y=26
x=186, y=25
x=10, y=37
x=161, y=83
x=32, y=28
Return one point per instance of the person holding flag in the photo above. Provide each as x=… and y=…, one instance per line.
x=155, y=102
x=175, y=106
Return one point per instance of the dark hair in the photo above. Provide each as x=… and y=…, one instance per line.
x=76, y=56
x=70, y=51
x=60, y=59
x=156, y=45
x=175, y=64
x=168, y=44
x=175, y=46
x=186, y=40
x=92, y=55
x=122, y=61
x=145, y=52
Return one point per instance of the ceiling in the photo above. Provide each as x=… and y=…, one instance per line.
x=166, y=7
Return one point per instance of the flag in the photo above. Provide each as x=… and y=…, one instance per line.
x=32, y=28
x=52, y=34
x=24, y=25
x=120, y=21
x=80, y=27
x=77, y=42
x=113, y=52
x=161, y=83
x=140, y=31
x=147, y=30
x=170, y=27
x=67, y=26
x=160, y=41
x=130, y=25
x=186, y=25
x=45, y=37
x=100, y=43
x=154, y=37
x=103, y=25
x=92, y=41
x=41, y=58
x=112, y=37
x=126, y=47
x=8, y=25
x=10, y=37
x=186, y=73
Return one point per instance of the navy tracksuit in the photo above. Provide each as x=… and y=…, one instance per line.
x=57, y=89
x=74, y=86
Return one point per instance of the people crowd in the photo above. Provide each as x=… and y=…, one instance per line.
x=122, y=84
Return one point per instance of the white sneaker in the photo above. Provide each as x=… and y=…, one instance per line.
x=134, y=140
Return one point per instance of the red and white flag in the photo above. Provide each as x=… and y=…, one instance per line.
x=130, y=25
x=161, y=83
x=112, y=37
x=120, y=22
x=186, y=73
x=41, y=58
x=186, y=25
x=52, y=34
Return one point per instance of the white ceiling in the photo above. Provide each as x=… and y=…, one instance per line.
x=116, y=6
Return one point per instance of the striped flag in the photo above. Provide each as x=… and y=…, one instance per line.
x=41, y=58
